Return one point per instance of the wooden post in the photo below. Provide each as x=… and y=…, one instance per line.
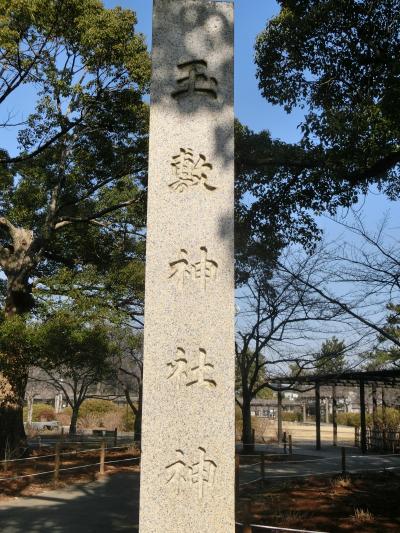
x=284, y=442
x=102, y=457
x=363, y=424
x=304, y=412
x=374, y=406
x=318, y=416
x=262, y=469
x=290, y=445
x=237, y=472
x=384, y=418
x=326, y=410
x=343, y=460
x=56, y=464
x=115, y=437
x=62, y=433
x=280, y=429
x=247, y=518
x=334, y=414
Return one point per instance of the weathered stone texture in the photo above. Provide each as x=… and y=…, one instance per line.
x=187, y=482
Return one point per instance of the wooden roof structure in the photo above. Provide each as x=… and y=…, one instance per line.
x=378, y=378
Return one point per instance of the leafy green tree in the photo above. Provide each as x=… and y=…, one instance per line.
x=75, y=355
x=18, y=342
x=332, y=357
x=337, y=60
x=72, y=198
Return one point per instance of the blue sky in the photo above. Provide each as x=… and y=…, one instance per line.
x=252, y=110
x=250, y=107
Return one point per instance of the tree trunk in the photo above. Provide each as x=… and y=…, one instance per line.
x=12, y=431
x=17, y=264
x=74, y=420
x=247, y=435
x=137, y=413
x=19, y=299
x=137, y=429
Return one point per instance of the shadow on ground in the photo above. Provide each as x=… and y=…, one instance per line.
x=109, y=506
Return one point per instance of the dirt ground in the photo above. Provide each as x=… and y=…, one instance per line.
x=29, y=486
x=352, y=504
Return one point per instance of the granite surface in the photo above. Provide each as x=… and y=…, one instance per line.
x=187, y=479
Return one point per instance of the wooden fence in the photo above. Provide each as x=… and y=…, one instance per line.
x=379, y=440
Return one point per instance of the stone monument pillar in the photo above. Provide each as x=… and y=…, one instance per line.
x=188, y=467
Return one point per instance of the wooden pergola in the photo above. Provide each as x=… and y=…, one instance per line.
x=374, y=378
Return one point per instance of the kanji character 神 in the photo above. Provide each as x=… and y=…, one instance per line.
x=178, y=472
x=205, y=269
x=180, y=269
x=203, y=472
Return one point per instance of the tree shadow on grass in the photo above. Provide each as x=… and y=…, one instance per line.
x=108, y=506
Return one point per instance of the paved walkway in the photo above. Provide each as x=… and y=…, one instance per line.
x=311, y=462
x=107, y=506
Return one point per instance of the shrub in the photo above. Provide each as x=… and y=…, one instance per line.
x=96, y=408
x=41, y=412
x=64, y=418
x=392, y=419
x=238, y=422
x=292, y=416
x=348, y=419
x=128, y=420
x=353, y=419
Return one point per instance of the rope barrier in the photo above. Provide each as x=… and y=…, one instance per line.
x=36, y=457
x=68, y=468
x=272, y=528
x=313, y=474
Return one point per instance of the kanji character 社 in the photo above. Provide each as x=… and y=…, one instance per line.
x=178, y=366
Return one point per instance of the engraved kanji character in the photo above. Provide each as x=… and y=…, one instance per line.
x=201, y=370
x=180, y=269
x=190, y=170
x=178, y=472
x=195, y=80
x=203, y=472
x=205, y=269
x=179, y=366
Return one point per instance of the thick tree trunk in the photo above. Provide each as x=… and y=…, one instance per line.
x=74, y=420
x=247, y=435
x=17, y=262
x=19, y=299
x=12, y=431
